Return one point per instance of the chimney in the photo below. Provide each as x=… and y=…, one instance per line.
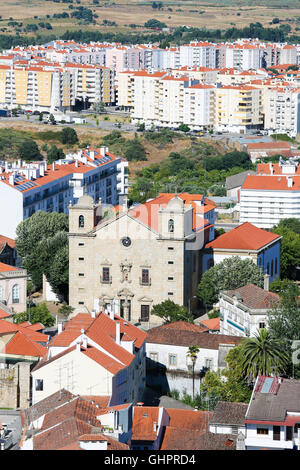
x=111, y=313
x=84, y=342
x=11, y=179
x=93, y=313
x=53, y=166
x=289, y=181
x=59, y=327
x=266, y=282
x=102, y=151
x=92, y=154
x=118, y=332
x=154, y=426
x=76, y=163
x=78, y=346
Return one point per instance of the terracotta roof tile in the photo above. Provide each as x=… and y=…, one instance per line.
x=255, y=297
x=244, y=237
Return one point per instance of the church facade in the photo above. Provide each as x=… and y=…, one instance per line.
x=127, y=260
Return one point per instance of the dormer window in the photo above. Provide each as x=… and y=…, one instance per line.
x=171, y=226
x=81, y=221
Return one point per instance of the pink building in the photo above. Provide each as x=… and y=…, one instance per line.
x=13, y=287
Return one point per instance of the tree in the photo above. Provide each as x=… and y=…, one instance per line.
x=134, y=150
x=184, y=128
x=29, y=151
x=41, y=242
x=289, y=251
x=284, y=324
x=171, y=312
x=65, y=309
x=291, y=224
x=52, y=119
x=37, y=314
x=231, y=273
x=40, y=117
x=192, y=355
x=280, y=285
x=69, y=136
x=229, y=384
x=99, y=107
x=55, y=153
x=263, y=355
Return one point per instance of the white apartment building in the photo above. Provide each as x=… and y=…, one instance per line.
x=199, y=106
x=198, y=54
x=266, y=199
x=282, y=110
x=244, y=311
x=243, y=56
x=27, y=188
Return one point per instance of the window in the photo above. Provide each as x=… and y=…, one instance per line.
x=145, y=310
x=208, y=363
x=261, y=324
x=145, y=276
x=80, y=259
x=170, y=278
x=170, y=248
x=80, y=244
x=80, y=303
x=81, y=274
x=276, y=433
x=16, y=294
x=172, y=359
x=154, y=356
x=170, y=262
x=171, y=226
x=289, y=433
x=81, y=221
x=39, y=385
x=105, y=275
x=262, y=431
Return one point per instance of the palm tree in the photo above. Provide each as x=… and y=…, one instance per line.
x=262, y=355
x=192, y=354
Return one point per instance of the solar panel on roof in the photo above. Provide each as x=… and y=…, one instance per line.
x=267, y=385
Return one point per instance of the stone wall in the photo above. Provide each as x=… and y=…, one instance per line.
x=15, y=386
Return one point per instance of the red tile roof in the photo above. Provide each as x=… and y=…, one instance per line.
x=272, y=183
x=255, y=297
x=6, y=241
x=21, y=345
x=212, y=323
x=189, y=419
x=244, y=237
x=143, y=423
x=7, y=268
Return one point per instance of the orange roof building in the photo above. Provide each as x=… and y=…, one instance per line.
x=247, y=241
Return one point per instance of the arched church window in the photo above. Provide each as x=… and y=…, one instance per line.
x=171, y=225
x=81, y=221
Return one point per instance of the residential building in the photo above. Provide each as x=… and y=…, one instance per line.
x=244, y=311
x=168, y=365
x=235, y=182
x=267, y=199
x=13, y=287
x=29, y=187
x=246, y=241
x=273, y=416
x=8, y=254
x=129, y=261
x=238, y=109
x=281, y=110
x=159, y=428
x=259, y=150
x=93, y=355
x=228, y=418
x=70, y=423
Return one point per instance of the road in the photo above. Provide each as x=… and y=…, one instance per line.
x=90, y=123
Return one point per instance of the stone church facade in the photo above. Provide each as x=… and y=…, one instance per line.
x=128, y=260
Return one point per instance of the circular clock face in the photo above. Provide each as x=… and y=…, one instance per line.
x=126, y=241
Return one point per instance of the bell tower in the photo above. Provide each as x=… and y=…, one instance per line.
x=84, y=215
x=174, y=220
